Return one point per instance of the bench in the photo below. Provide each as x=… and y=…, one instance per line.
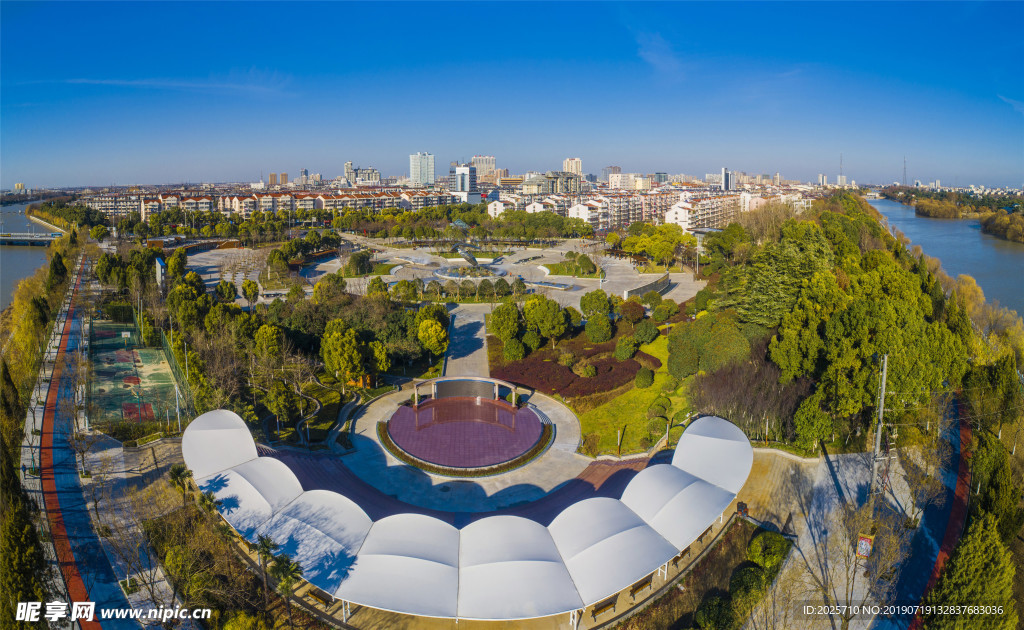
x=314, y=595
x=701, y=538
x=643, y=584
x=679, y=558
x=603, y=607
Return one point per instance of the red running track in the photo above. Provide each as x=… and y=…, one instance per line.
x=77, y=590
x=957, y=515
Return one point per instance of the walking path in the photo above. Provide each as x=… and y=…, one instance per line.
x=467, y=348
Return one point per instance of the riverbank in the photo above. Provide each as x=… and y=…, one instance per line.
x=996, y=222
x=963, y=248
x=34, y=215
x=18, y=262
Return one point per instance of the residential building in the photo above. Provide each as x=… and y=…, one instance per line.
x=496, y=208
x=484, y=164
x=679, y=214
x=609, y=170
x=841, y=180
x=421, y=169
x=822, y=179
x=574, y=166
x=622, y=181
x=553, y=183
x=594, y=212
x=284, y=179
x=272, y=180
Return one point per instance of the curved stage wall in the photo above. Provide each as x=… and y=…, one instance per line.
x=497, y=568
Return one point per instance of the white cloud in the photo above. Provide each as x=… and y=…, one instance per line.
x=1016, y=105
x=659, y=54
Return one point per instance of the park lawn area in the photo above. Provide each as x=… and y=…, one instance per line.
x=330, y=401
x=380, y=269
x=566, y=269
x=651, y=268
x=628, y=412
x=275, y=282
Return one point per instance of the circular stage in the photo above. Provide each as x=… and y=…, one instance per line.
x=462, y=432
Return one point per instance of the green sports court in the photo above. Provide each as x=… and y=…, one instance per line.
x=129, y=382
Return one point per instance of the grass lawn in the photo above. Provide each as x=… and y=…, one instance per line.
x=274, y=282
x=380, y=269
x=650, y=268
x=567, y=269
x=628, y=412
x=330, y=399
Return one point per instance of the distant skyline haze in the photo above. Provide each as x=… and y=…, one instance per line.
x=225, y=91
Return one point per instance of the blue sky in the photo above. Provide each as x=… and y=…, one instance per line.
x=122, y=93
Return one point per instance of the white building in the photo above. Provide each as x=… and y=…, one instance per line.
x=594, y=212
x=496, y=208
x=679, y=214
x=573, y=165
x=621, y=181
x=421, y=169
x=484, y=164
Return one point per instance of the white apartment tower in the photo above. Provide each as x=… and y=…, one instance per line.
x=822, y=179
x=421, y=169
x=573, y=165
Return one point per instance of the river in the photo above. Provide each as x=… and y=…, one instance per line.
x=17, y=262
x=997, y=264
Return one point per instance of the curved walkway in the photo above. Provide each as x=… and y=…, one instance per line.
x=377, y=468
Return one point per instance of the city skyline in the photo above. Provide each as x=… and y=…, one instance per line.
x=672, y=89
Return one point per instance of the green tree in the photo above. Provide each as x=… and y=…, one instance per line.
x=546, y=316
x=812, y=424
x=625, y=348
x=377, y=287
x=179, y=475
x=504, y=321
x=269, y=346
x=379, y=359
x=433, y=337
x=251, y=292
x=177, y=264
x=645, y=332
x=287, y=573
x=98, y=232
x=595, y=303
x=980, y=571
x=342, y=357
x=632, y=312
x=265, y=548
x=226, y=291
x=599, y=329
x=22, y=563
x=513, y=349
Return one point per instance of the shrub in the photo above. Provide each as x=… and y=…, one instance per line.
x=599, y=329
x=591, y=444
x=644, y=378
x=584, y=368
x=680, y=416
x=645, y=332
x=682, y=362
x=656, y=427
x=663, y=401
x=575, y=317
x=514, y=350
x=631, y=311
x=625, y=348
x=567, y=359
x=671, y=385
x=532, y=340
x=651, y=299
x=768, y=549
x=512, y=398
x=656, y=410
x=745, y=587
x=714, y=613
x=663, y=312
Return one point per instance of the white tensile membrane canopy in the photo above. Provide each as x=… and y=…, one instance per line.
x=499, y=567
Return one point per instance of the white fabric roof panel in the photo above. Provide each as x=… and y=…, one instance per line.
x=409, y=563
x=322, y=531
x=607, y=547
x=716, y=450
x=511, y=569
x=675, y=503
x=216, y=441
x=500, y=567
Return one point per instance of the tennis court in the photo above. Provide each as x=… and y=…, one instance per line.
x=129, y=382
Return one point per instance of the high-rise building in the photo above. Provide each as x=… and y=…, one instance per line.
x=778, y=179
x=462, y=183
x=304, y=173
x=841, y=180
x=484, y=164
x=273, y=180
x=573, y=165
x=421, y=169
x=726, y=177
x=350, y=173
x=661, y=178
x=938, y=183
x=609, y=170
x=822, y=179
x=284, y=179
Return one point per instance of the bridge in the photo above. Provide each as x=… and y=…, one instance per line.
x=28, y=238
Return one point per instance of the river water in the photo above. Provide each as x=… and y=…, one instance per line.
x=997, y=264
x=21, y=261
